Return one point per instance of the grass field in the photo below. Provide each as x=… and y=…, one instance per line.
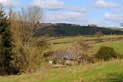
x=73, y=73
x=64, y=42
x=69, y=74
x=74, y=38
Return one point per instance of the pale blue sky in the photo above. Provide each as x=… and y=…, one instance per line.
x=83, y=12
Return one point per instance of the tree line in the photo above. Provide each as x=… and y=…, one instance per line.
x=63, y=29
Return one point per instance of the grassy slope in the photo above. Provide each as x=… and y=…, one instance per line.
x=69, y=74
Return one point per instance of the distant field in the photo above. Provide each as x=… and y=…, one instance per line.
x=75, y=38
x=60, y=42
x=69, y=74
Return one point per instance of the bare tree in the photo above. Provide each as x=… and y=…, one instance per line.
x=23, y=24
x=29, y=18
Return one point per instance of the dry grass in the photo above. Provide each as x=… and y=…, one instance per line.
x=68, y=74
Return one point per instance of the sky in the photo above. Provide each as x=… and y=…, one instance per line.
x=82, y=12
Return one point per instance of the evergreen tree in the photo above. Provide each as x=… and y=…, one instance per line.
x=6, y=45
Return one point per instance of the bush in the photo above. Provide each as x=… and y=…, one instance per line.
x=106, y=53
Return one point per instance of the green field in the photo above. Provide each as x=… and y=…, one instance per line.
x=69, y=74
x=63, y=42
x=75, y=73
x=74, y=38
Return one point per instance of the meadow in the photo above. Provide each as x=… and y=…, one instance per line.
x=59, y=43
x=76, y=73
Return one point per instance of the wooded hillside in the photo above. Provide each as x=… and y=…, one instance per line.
x=62, y=29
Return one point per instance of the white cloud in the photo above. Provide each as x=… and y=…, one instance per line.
x=66, y=16
x=49, y=4
x=8, y=3
x=56, y=4
x=76, y=9
x=104, y=4
x=113, y=18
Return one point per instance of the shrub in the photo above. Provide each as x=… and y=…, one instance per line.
x=106, y=53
